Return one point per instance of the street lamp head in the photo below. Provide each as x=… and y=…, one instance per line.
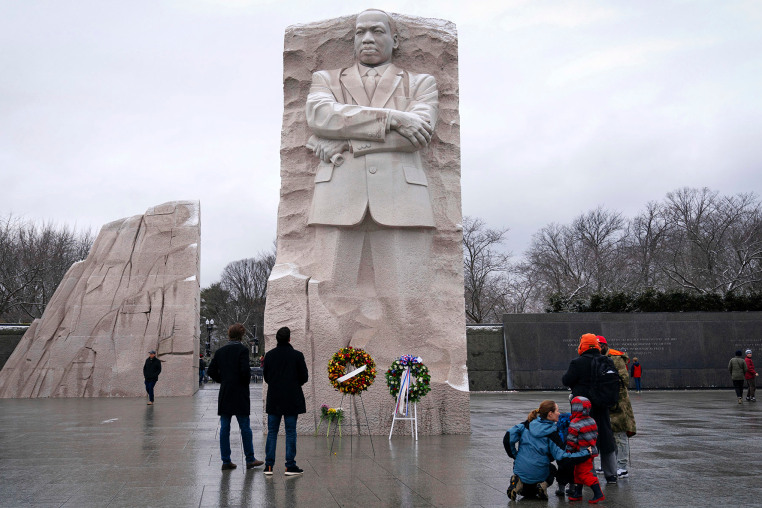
x=207, y=322
x=211, y=322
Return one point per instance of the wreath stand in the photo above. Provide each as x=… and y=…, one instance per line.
x=405, y=417
x=367, y=425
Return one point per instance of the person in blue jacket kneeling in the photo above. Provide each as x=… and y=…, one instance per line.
x=533, y=445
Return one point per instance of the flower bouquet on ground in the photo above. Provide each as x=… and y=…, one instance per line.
x=331, y=415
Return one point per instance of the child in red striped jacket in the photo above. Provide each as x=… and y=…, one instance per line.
x=583, y=433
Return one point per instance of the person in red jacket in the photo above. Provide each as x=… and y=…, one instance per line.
x=583, y=433
x=635, y=371
x=750, y=376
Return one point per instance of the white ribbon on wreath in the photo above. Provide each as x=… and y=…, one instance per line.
x=351, y=374
x=402, y=395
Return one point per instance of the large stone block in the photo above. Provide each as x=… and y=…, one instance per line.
x=137, y=290
x=369, y=247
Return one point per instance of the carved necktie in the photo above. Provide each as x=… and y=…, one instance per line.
x=370, y=83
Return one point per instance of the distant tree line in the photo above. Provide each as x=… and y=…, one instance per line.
x=33, y=260
x=659, y=301
x=693, y=250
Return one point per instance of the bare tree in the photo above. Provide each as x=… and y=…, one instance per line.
x=715, y=242
x=644, y=245
x=240, y=295
x=600, y=234
x=485, y=270
x=572, y=262
x=523, y=285
x=33, y=260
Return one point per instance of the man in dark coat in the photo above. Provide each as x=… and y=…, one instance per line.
x=201, y=369
x=151, y=371
x=230, y=368
x=285, y=372
x=578, y=378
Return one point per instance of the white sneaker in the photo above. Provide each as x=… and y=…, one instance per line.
x=621, y=473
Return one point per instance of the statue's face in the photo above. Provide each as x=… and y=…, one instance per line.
x=374, y=41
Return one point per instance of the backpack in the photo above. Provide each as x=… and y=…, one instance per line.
x=604, y=382
x=507, y=439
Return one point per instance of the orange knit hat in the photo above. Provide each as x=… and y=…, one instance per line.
x=588, y=341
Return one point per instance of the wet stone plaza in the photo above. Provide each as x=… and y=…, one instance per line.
x=693, y=448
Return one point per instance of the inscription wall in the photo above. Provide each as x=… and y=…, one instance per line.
x=676, y=350
x=486, y=358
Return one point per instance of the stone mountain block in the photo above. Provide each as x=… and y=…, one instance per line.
x=369, y=249
x=137, y=290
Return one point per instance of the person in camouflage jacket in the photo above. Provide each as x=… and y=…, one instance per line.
x=622, y=416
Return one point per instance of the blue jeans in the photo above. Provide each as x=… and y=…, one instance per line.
x=273, y=424
x=246, y=437
x=637, y=383
x=201, y=376
x=149, y=389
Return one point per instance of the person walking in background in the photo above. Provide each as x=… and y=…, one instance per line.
x=750, y=376
x=635, y=371
x=621, y=415
x=151, y=371
x=285, y=372
x=201, y=369
x=737, y=367
x=230, y=368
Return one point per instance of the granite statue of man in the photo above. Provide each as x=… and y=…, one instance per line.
x=376, y=117
x=370, y=121
x=369, y=236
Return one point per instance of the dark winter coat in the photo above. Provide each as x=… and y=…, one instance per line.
x=285, y=372
x=577, y=378
x=152, y=369
x=230, y=368
x=737, y=368
x=534, y=447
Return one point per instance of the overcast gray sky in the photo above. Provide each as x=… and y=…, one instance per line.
x=110, y=107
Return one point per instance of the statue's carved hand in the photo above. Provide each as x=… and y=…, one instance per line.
x=412, y=127
x=325, y=149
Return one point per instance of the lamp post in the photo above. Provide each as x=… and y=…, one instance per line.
x=209, y=328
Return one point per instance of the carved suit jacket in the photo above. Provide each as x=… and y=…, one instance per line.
x=382, y=174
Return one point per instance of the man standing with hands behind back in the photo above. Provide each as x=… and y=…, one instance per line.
x=285, y=372
x=230, y=368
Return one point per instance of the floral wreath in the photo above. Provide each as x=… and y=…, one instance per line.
x=418, y=370
x=358, y=358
